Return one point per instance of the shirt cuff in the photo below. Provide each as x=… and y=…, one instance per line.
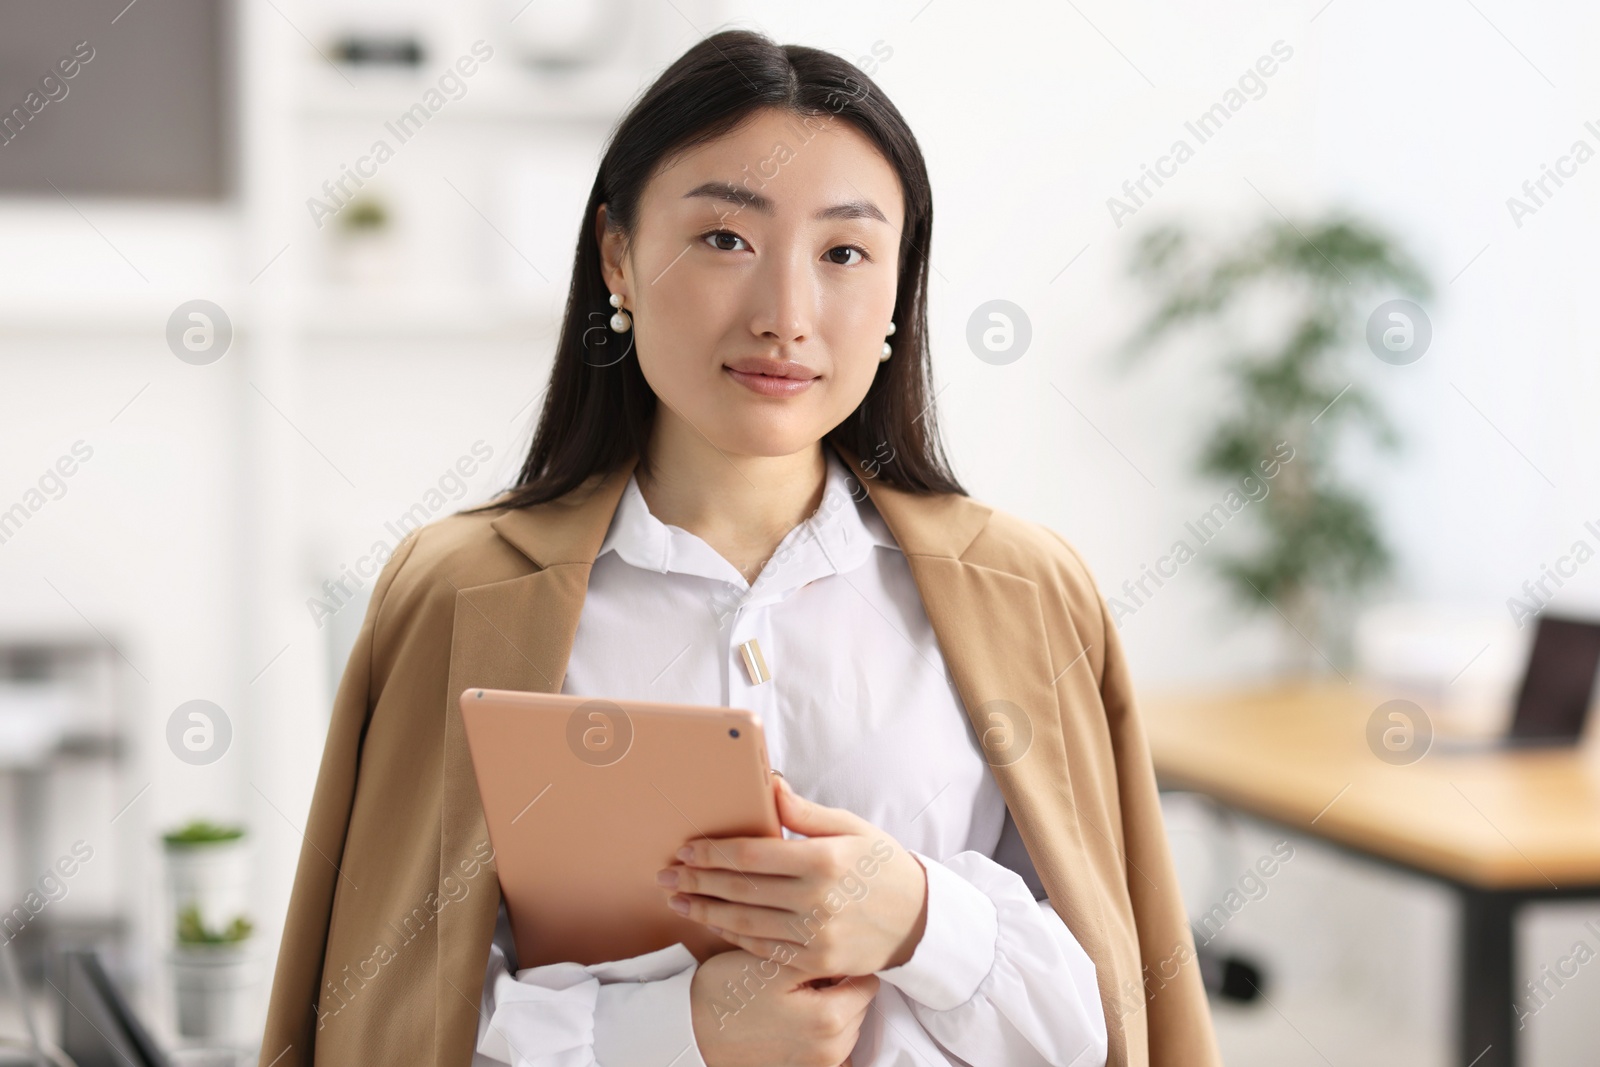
x=957, y=950
x=646, y=1023
x=621, y=1013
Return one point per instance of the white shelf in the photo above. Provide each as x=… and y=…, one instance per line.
x=525, y=96
x=388, y=313
x=331, y=312
x=88, y=314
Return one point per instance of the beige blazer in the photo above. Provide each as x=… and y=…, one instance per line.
x=395, y=899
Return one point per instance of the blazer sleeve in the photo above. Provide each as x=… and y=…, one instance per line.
x=288, y=1040
x=1172, y=1005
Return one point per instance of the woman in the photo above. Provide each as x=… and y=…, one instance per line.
x=736, y=496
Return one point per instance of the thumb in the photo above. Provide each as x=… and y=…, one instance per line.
x=810, y=818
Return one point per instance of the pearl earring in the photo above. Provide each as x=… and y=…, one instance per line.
x=620, y=322
x=886, y=349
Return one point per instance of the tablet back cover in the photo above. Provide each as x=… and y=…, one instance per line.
x=586, y=799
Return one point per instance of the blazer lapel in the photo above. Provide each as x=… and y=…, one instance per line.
x=518, y=634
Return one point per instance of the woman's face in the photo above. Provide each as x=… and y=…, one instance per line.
x=779, y=240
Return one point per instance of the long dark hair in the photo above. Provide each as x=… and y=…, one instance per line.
x=598, y=408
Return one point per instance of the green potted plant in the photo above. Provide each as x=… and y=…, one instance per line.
x=208, y=865
x=1316, y=543
x=214, y=976
x=364, y=247
x=213, y=957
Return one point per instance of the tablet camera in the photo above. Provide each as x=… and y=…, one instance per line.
x=733, y=731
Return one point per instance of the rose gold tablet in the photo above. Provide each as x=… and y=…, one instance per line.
x=586, y=799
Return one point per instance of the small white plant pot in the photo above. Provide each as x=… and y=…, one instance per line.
x=366, y=260
x=214, y=876
x=215, y=987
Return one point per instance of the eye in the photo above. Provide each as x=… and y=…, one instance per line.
x=847, y=249
x=716, y=235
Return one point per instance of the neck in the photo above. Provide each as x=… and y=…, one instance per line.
x=741, y=505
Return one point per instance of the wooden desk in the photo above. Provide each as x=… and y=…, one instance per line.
x=1500, y=827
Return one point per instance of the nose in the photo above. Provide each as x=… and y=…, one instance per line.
x=785, y=300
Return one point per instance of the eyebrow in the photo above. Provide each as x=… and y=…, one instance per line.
x=735, y=194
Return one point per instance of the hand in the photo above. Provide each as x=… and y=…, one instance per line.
x=847, y=900
x=755, y=1012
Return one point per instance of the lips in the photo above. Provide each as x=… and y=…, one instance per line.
x=771, y=385
x=773, y=368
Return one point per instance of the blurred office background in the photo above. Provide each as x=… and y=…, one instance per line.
x=239, y=346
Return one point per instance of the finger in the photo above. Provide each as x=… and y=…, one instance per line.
x=753, y=855
x=856, y=991
x=772, y=891
x=866, y=986
x=765, y=948
x=751, y=920
x=863, y=988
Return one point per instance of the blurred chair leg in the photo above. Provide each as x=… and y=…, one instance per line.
x=1230, y=977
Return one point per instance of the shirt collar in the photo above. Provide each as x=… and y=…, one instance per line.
x=837, y=538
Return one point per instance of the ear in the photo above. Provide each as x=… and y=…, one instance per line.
x=611, y=254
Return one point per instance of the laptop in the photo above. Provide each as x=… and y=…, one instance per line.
x=1556, y=691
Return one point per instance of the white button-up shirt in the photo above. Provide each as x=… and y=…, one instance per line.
x=860, y=712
